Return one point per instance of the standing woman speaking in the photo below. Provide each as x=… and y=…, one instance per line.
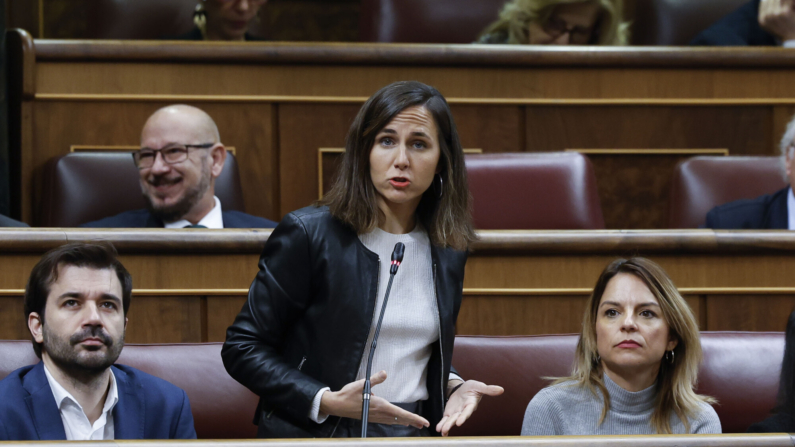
x=301, y=341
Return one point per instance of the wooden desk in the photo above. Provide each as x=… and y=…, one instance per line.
x=755, y=440
x=190, y=284
x=279, y=103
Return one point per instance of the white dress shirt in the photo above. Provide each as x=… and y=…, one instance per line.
x=791, y=209
x=75, y=422
x=214, y=219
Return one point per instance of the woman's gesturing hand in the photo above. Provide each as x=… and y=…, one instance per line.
x=347, y=402
x=463, y=402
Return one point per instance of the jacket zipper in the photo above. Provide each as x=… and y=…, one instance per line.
x=300, y=365
x=441, y=347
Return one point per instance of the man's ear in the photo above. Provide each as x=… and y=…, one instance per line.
x=218, y=158
x=125, y=322
x=36, y=327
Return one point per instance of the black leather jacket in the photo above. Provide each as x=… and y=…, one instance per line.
x=308, y=314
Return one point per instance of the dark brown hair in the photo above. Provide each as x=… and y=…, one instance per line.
x=45, y=273
x=352, y=198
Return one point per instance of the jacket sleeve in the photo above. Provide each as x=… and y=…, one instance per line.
x=279, y=295
x=185, y=428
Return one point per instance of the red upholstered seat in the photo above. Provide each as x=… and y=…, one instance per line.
x=676, y=22
x=426, y=21
x=222, y=408
x=540, y=191
x=82, y=187
x=701, y=183
x=740, y=369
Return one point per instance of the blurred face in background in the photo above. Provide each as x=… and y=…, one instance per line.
x=230, y=19
x=569, y=24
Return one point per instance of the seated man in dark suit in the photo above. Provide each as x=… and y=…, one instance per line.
x=768, y=212
x=76, y=304
x=181, y=155
x=757, y=23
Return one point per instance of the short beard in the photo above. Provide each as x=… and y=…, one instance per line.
x=175, y=212
x=62, y=352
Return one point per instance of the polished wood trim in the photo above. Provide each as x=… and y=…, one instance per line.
x=407, y=54
x=650, y=151
x=41, y=19
x=95, y=148
x=25, y=42
x=499, y=242
x=470, y=291
x=90, y=97
x=705, y=102
x=705, y=440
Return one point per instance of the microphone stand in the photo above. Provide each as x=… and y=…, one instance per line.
x=397, y=258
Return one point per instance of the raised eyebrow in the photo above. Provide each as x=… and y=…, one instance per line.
x=389, y=131
x=420, y=134
x=69, y=295
x=649, y=304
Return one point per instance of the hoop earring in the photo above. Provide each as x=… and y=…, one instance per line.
x=670, y=356
x=441, y=185
x=598, y=358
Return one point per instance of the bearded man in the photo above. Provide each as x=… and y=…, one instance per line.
x=76, y=304
x=181, y=155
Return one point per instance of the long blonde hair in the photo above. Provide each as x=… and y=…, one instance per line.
x=676, y=379
x=517, y=14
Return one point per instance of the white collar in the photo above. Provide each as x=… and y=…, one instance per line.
x=214, y=219
x=61, y=394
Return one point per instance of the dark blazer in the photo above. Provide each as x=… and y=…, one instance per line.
x=778, y=423
x=148, y=407
x=768, y=212
x=145, y=219
x=9, y=222
x=739, y=28
x=307, y=319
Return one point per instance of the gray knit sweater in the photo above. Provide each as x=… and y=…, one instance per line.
x=569, y=409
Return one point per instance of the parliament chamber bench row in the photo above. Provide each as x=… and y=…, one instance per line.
x=522, y=191
x=740, y=369
x=188, y=285
x=286, y=107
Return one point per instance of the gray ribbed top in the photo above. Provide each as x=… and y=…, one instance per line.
x=569, y=409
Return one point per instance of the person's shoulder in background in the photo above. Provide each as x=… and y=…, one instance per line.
x=739, y=28
x=9, y=222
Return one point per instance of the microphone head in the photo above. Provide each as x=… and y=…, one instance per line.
x=397, y=253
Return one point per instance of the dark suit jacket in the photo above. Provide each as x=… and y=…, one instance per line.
x=145, y=219
x=9, y=222
x=740, y=28
x=148, y=407
x=768, y=212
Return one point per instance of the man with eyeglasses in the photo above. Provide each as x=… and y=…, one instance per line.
x=774, y=211
x=181, y=155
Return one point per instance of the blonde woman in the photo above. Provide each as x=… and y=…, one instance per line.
x=559, y=22
x=636, y=363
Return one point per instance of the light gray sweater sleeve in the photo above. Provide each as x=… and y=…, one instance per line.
x=707, y=421
x=543, y=416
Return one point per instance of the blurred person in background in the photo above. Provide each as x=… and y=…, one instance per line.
x=559, y=22
x=756, y=23
x=224, y=20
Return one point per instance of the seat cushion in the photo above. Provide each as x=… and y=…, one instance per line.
x=539, y=191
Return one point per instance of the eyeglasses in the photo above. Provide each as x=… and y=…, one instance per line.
x=145, y=158
x=557, y=27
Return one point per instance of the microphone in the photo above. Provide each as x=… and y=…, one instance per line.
x=397, y=258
